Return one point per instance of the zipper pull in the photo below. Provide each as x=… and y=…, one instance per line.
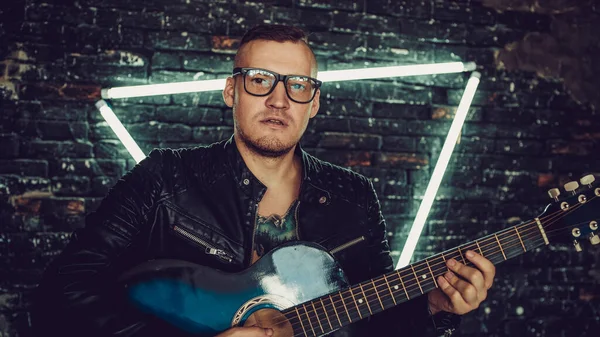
x=219, y=253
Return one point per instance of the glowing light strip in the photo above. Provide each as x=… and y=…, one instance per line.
x=438, y=172
x=120, y=131
x=325, y=76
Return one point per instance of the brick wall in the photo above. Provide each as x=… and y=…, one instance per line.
x=533, y=124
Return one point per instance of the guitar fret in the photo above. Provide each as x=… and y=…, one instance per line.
x=377, y=293
x=308, y=318
x=500, y=245
x=355, y=303
x=432, y=275
x=461, y=255
x=390, y=289
x=300, y=319
x=416, y=277
x=402, y=282
x=521, y=240
x=366, y=298
x=480, y=252
x=345, y=307
x=326, y=315
x=317, y=315
x=335, y=310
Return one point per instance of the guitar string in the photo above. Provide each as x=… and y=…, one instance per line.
x=311, y=314
x=411, y=285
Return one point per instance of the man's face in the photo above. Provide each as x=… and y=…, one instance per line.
x=254, y=116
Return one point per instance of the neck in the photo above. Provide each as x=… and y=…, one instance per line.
x=271, y=171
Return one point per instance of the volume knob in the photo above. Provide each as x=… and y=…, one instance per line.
x=587, y=180
x=554, y=193
x=571, y=186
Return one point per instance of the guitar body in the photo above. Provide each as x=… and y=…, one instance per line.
x=205, y=301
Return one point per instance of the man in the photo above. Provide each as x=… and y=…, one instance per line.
x=226, y=205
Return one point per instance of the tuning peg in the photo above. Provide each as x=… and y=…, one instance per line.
x=587, y=180
x=577, y=246
x=571, y=186
x=554, y=193
x=594, y=239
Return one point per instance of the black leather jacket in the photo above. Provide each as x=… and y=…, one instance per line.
x=209, y=193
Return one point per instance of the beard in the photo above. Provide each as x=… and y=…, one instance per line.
x=266, y=146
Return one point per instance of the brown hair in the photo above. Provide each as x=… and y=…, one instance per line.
x=279, y=33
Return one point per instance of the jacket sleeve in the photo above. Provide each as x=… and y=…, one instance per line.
x=79, y=295
x=410, y=318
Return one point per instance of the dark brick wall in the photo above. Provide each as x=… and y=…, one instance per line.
x=532, y=127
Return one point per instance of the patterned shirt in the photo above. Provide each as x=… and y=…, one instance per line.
x=274, y=230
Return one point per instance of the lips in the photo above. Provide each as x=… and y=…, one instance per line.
x=274, y=121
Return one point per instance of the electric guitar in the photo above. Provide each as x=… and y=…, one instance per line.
x=300, y=290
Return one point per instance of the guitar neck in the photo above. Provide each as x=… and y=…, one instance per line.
x=333, y=311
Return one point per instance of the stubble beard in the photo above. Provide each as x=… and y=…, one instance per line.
x=265, y=146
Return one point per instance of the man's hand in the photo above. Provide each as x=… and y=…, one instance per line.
x=252, y=331
x=462, y=288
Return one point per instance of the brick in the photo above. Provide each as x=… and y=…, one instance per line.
x=211, y=134
x=82, y=92
x=428, y=128
x=102, y=131
x=88, y=167
x=9, y=145
x=564, y=147
x=495, y=177
x=380, y=91
x=208, y=98
x=399, y=49
x=509, y=115
x=400, y=160
x=101, y=185
x=328, y=43
x=55, y=149
x=400, y=111
x=129, y=113
x=476, y=144
x=353, y=108
x=171, y=40
x=349, y=141
x=345, y=158
x=166, y=60
x=445, y=112
x=54, y=130
x=190, y=116
x=169, y=76
x=407, y=8
x=399, y=144
x=515, y=163
x=517, y=147
x=209, y=62
x=174, y=132
x=428, y=144
x=24, y=167
x=144, y=131
x=112, y=149
x=323, y=4
x=70, y=185
x=361, y=23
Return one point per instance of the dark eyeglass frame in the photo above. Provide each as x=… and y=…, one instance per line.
x=278, y=78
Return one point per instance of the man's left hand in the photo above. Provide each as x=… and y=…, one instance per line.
x=462, y=288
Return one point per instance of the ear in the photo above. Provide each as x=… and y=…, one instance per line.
x=229, y=92
x=315, y=104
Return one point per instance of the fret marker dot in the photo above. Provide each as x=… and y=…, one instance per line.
x=360, y=301
x=424, y=276
x=396, y=287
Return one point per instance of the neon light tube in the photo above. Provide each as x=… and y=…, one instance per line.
x=438, y=171
x=325, y=76
x=120, y=131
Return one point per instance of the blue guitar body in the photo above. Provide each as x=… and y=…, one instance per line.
x=204, y=301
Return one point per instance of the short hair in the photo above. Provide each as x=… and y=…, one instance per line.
x=279, y=33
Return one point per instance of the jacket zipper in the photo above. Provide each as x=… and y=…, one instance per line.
x=347, y=244
x=209, y=249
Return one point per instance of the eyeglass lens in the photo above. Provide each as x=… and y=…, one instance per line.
x=259, y=82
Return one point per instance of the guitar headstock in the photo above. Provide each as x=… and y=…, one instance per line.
x=576, y=215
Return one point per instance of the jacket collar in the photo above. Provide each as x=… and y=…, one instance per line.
x=248, y=183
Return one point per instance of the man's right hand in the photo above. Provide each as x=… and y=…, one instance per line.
x=253, y=331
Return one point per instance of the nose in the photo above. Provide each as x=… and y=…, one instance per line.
x=278, y=99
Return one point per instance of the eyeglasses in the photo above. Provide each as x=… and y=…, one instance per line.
x=261, y=82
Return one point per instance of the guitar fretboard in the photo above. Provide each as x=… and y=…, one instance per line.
x=333, y=311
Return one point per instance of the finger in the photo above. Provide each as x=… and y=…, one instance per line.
x=467, y=291
x=486, y=267
x=253, y=331
x=456, y=303
x=473, y=275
